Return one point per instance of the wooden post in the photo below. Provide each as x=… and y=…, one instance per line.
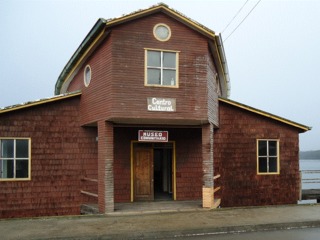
x=105, y=167
x=207, y=166
x=300, y=185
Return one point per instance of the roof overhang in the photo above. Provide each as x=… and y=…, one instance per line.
x=219, y=57
x=300, y=127
x=91, y=41
x=39, y=102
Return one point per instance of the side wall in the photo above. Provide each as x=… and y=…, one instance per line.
x=61, y=153
x=213, y=92
x=235, y=157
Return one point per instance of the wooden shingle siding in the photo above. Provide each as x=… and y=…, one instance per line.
x=61, y=153
x=189, y=163
x=117, y=85
x=235, y=158
x=213, y=113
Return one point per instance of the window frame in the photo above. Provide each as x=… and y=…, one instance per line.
x=86, y=78
x=14, y=158
x=159, y=37
x=146, y=67
x=268, y=156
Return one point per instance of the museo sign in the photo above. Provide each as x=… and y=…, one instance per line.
x=161, y=104
x=153, y=136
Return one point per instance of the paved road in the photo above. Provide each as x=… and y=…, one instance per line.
x=291, y=234
x=157, y=225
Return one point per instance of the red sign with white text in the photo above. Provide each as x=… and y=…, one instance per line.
x=153, y=136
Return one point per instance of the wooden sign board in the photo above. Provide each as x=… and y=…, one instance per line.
x=153, y=136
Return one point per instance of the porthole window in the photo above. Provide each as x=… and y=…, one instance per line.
x=87, y=75
x=162, y=32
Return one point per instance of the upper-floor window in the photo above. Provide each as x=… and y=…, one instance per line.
x=87, y=75
x=161, y=68
x=162, y=32
x=15, y=159
x=268, y=156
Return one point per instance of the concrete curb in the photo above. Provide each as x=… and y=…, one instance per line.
x=198, y=232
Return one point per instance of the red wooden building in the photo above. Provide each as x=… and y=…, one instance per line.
x=141, y=112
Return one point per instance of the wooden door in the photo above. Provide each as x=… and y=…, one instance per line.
x=143, y=174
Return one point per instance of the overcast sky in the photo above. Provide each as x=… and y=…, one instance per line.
x=273, y=56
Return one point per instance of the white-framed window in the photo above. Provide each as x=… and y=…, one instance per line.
x=161, y=68
x=15, y=159
x=162, y=32
x=268, y=161
x=87, y=75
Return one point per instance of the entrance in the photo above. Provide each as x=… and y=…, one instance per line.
x=153, y=171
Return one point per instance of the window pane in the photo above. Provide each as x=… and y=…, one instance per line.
x=1, y=168
x=6, y=169
x=7, y=148
x=169, y=60
x=169, y=77
x=272, y=148
x=22, y=149
x=154, y=76
x=273, y=167
x=88, y=74
x=154, y=59
x=263, y=165
x=262, y=148
x=22, y=169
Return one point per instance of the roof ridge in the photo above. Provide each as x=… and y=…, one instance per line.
x=166, y=6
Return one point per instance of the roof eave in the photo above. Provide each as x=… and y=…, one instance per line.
x=224, y=63
x=92, y=35
x=217, y=51
x=39, y=102
x=302, y=128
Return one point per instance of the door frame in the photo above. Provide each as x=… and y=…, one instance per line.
x=174, y=183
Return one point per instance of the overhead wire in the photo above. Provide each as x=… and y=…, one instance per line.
x=235, y=16
x=242, y=21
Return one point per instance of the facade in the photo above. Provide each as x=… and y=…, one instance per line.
x=141, y=113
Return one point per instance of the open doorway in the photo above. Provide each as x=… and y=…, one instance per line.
x=162, y=162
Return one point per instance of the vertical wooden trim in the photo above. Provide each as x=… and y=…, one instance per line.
x=131, y=169
x=29, y=170
x=152, y=173
x=174, y=171
x=278, y=155
x=257, y=155
x=177, y=69
x=145, y=67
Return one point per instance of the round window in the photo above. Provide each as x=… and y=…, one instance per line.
x=87, y=75
x=162, y=32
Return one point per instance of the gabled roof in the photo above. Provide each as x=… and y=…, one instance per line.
x=39, y=102
x=161, y=7
x=102, y=28
x=301, y=127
